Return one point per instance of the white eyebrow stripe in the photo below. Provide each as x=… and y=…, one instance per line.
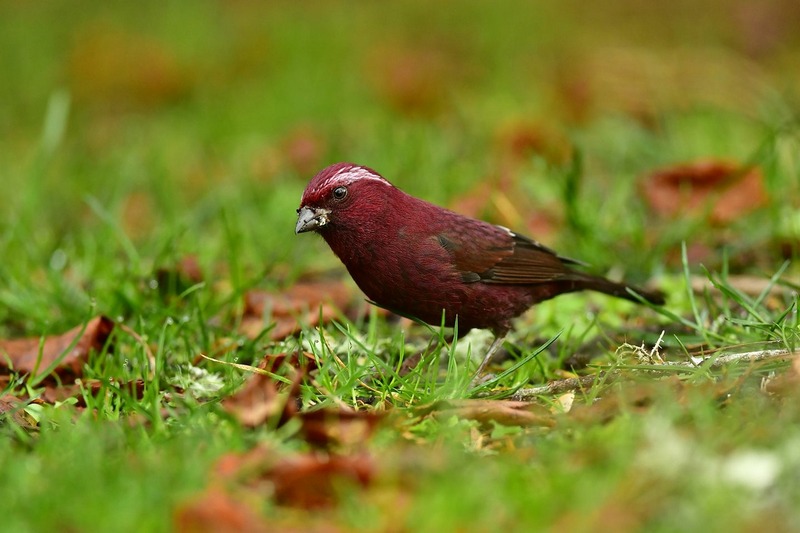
x=346, y=176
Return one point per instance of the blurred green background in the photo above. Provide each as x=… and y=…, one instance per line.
x=132, y=134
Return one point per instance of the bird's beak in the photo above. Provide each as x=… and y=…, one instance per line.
x=310, y=219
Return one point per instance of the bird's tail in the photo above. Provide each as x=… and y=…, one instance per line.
x=620, y=290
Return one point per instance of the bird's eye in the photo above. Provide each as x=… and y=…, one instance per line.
x=339, y=193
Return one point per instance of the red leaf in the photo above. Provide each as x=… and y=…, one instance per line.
x=22, y=354
x=327, y=427
x=310, y=481
x=217, y=511
x=725, y=190
x=300, y=304
x=505, y=412
x=305, y=480
x=263, y=398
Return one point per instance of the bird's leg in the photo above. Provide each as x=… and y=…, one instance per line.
x=499, y=337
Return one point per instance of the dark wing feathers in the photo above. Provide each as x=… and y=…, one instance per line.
x=493, y=254
x=528, y=263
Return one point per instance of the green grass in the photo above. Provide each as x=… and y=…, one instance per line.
x=111, y=174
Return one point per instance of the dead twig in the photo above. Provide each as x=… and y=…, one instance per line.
x=713, y=361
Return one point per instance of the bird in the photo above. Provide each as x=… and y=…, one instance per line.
x=428, y=263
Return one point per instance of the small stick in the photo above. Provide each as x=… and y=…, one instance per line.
x=571, y=384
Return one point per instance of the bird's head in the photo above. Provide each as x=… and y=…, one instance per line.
x=341, y=194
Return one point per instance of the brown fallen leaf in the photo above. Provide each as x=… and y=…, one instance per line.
x=258, y=401
x=310, y=303
x=785, y=384
x=215, y=510
x=54, y=392
x=638, y=397
x=298, y=360
x=723, y=189
x=23, y=355
x=312, y=481
x=13, y=408
x=264, y=397
x=505, y=412
x=343, y=427
x=305, y=480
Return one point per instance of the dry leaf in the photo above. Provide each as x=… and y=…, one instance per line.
x=505, y=412
x=564, y=402
x=263, y=397
x=785, y=384
x=301, y=304
x=215, y=510
x=22, y=354
x=725, y=190
x=14, y=408
x=311, y=481
x=305, y=480
x=54, y=392
x=258, y=401
x=327, y=427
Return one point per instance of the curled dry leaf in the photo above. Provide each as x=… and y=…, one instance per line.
x=258, y=401
x=786, y=384
x=300, y=361
x=263, y=397
x=68, y=351
x=306, y=303
x=344, y=427
x=505, y=412
x=58, y=393
x=13, y=408
x=723, y=189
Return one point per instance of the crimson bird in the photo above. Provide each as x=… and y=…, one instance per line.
x=428, y=263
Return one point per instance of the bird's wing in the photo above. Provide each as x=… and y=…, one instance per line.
x=494, y=254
